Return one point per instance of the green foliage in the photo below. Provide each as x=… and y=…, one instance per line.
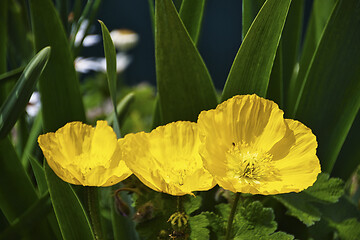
x=198, y=225
x=301, y=205
x=20, y=95
x=348, y=229
x=184, y=84
x=250, y=72
x=71, y=216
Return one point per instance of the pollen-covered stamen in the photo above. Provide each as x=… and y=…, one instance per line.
x=248, y=164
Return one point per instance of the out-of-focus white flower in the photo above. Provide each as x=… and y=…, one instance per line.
x=85, y=65
x=34, y=105
x=124, y=39
x=89, y=40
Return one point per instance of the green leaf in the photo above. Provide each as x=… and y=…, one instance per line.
x=198, y=227
x=21, y=93
x=349, y=156
x=69, y=212
x=31, y=140
x=250, y=72
x=110, y=55
x=17, y=192
x=348, y=229
x=58, y=85
x=184, y=84
x=331, y=99
x=191, y=204
x=39, y=175
x=3, y=43
x=320, y=14
x=32, y=217
x=301, y=205
x=12, y=75
x=275, y=89
x=191, y=14
x=250, y=10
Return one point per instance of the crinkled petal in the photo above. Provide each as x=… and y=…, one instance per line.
x=167, y=159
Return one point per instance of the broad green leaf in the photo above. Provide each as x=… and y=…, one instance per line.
x=191, y=14
x=250, y=9
x=320, y=14
x=21, y=93
x=110, y=55
x=348, y=229
x=27, y=221
x=300, y=205
x=3, y=43
x=290, y=45
x=331, y=99
x=349, y=157
x=58, y=85
x=71, y=216
x=275, y=89
x=17, y=184
x=198, y=227
x=39, y=175
x=17, y=191
x=184, y=84
x=250, y=72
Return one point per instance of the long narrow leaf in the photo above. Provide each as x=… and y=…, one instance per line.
x=58, y=85
x=21, y=93
x=250, y=72
x=184, y=84
x=71, y=216
x=191, y=14
x=33, y=216
x=331, y=99
x=320, y=14
x=110, y=55
x=250, y=10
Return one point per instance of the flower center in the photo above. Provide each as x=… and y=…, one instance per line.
x=248, y=164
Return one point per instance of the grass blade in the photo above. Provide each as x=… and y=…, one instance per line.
x=184, y=84
x=21, y=93
x=58, y=85
x=70, y=214
x=110, y=55
x=250, y=9
x=250, y=72
x=191, y=14
x=331, y=99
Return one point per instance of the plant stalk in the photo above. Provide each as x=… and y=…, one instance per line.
x=94, y=212
x=231, y=216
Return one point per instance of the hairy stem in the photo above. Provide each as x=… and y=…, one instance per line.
x=231, y=216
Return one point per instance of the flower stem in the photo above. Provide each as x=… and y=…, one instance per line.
x=231, y=216
x=94, y=212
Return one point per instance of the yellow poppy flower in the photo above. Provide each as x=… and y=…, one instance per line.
x=83, y=155
x=167, y=159
x=249, y=147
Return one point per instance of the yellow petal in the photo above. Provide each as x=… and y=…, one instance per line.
x=167, y=159
x=83, y=155
x=249, y=147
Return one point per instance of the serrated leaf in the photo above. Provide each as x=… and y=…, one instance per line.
x=198, y=227
x=71, y=216
x=191, y=14
x=110, y=55
x=331, y=99
x=348, y=229
x=58, y=85
x=252, y=66
x=300, y=205
x=184, y=84
x=21, y=93
x=191, y=204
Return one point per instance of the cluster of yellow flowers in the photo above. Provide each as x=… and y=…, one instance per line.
x=244, y=145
